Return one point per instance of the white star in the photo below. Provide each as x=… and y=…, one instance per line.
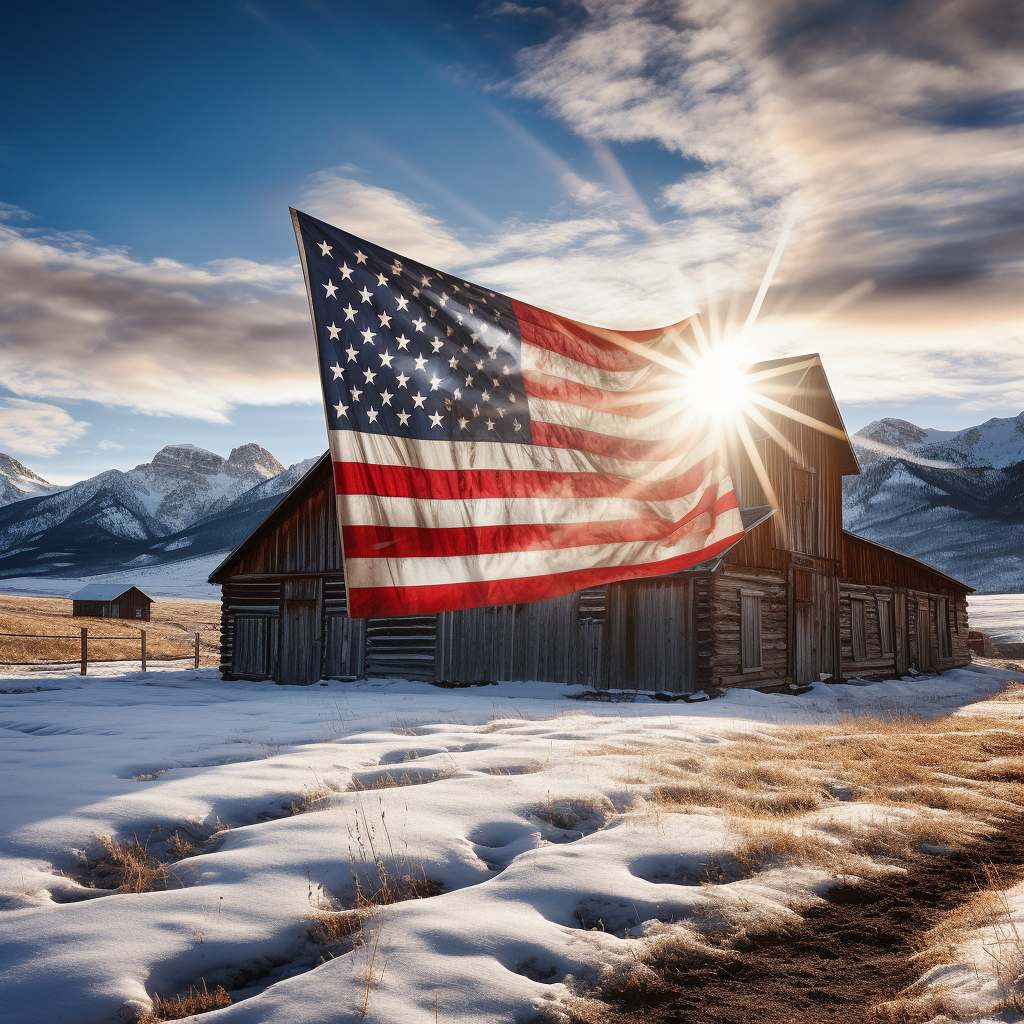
x=494, y=381
x=403, y=380
x=425, y=283
x=480, y=366
x=485, y=396
x=465, y=348
x=490, y=424
x=403, y=342
x=365, y=295
x=346, y=273
x=506, y=370
x=463, y=422
x=493, y=352
x=476, y=410
x=396, y=267
x=449, y=329
x=418, y=400
x=484, y=328
x=435, y=419
x=338, y=371
x=420, y=362
x=360, y=258
x=330, y=288
x=437, y=344
x=511, y=397
x=444, y=299
x=501, y=413
x=381, y=279
x=351, y=353
x=453, y=362
x=517, y=425
x=369, y=375
x=432, y=312
x=385, y=397
x=355, y=393
x=341, y=409
x=419, y=324
x=325, y=249
x=403, y=302
x=350, y=313
x=385, y=320
x=456, y=394
x=403, y=417
x=435, y=382
x=335, y=331
x=371, y=415
x=368, y=336
x=385, y=359
x=469, y=380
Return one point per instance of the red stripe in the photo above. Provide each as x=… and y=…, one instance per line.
x=558, y=389
x=461, y=484
x=556, y=435
x=580, y=342
x=413, y=542
x=366, y=602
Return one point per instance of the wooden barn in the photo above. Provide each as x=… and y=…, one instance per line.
x=796, y=600
x=111, y=601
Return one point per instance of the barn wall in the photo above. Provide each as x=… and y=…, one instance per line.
x=727, y=590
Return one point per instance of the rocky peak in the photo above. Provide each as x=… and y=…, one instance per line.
x=893, y=432
x=251, y=458
x=189, y=457
x=11, y=467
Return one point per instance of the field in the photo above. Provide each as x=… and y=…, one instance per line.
x=170, y=633
x=391, y=851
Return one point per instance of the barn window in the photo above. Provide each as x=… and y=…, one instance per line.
x=750, y=632
x=942, y=625
x=885, y=625
x=858, y=628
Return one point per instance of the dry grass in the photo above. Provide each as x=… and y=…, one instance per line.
x=129, y=867
x=181, y=848
x=169, y=634
x=315, y=797
x=177, y=1007
x=396, y=779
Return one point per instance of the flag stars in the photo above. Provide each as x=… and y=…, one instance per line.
x=435, y=382
x=337, y=371
x=462, y=422
x=419, y=324
x=490, y=424
x=368, y=336
x=350, y=313
x=454, y=362
x=371, y=415
x=385, y=397
x=386, y=358
x=517, y=425
x=420, y=363
x=341, y=409
x=403, y=342
x=403, y=380
x=355, y=393
x=346, y=272
x=351, y=353
x=437, y=344
x=364, y=294
x=334, y=331
x=403, y=418
x=360, y=258
x=435, y=419
x=418, y=400
x=331, y=288
x=425, y=283
x=402, y=302
x=485, y=396
x=369, y=375
x=381, y=279
x=325, y=249
x=385, y=319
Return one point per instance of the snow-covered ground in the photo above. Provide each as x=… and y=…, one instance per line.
x=1001, y=616
x=186, y=578
x=505, y=795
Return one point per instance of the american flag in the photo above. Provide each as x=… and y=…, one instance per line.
x=489, y=452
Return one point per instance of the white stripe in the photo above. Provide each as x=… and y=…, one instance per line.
x=554, y=364
x=448, y=514
x=421, y=571
x=383, y=450
x=660, y=426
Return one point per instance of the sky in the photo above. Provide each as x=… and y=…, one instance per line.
x=625, y=163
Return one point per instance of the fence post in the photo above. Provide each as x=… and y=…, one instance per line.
x=197, y=650
x=143, y=650
x=85, y=650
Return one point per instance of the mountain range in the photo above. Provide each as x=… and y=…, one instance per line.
x=954, y=499
x=186, y=503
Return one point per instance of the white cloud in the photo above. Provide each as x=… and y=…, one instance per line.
x=110, y=446
x=36, y=428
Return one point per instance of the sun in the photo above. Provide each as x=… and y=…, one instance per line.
x=717, y=383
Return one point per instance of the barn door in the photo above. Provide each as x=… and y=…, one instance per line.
x=925, y=660
x=300, y=642
x=807, y=660
x=900, y=647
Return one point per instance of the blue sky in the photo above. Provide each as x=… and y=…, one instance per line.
x=619, y=162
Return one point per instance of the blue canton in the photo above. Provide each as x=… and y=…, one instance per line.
x=408, y=351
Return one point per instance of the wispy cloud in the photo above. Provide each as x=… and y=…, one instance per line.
x=36, y=428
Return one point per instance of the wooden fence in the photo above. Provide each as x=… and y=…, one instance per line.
x=84, y=639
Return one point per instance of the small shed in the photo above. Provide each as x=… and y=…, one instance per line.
x=111, y=601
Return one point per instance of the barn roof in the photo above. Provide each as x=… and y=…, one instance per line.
x=106, y=592
x=915, y=563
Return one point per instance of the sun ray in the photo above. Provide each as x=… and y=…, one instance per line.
x=799, y=417
x=779, y=438
x=761, y=472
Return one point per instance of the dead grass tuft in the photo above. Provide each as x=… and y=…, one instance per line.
x=177, y=1007
x=128, y=866
x=396, y=779
x=181, y=848
x=330, y=928
x=315, y=797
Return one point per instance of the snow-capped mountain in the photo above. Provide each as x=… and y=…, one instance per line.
x=18, y=481
x=952, y=498
x=186, y=502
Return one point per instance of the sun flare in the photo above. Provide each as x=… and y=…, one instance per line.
x=717, y=384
